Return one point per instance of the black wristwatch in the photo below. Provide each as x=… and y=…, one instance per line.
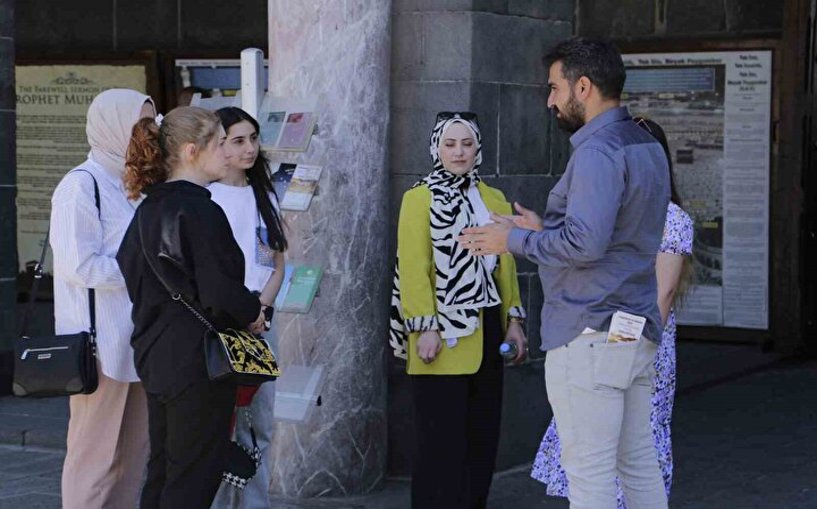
x=268, y=311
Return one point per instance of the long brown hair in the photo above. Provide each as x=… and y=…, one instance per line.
x=687, y=270
x=259, y=178
x=153, y=151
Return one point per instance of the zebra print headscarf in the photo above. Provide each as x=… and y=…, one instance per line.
x=463, y=282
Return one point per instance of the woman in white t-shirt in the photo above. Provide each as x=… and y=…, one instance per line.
x=251, y=205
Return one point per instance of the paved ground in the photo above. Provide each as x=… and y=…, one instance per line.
x=745, y=438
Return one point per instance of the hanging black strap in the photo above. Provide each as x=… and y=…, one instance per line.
x=38, y=274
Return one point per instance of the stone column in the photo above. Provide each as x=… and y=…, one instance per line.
x=338, y=53
x=8, y=193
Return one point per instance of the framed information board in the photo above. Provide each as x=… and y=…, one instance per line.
x=52, y=102
x=716, y=107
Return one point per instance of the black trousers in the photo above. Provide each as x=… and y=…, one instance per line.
x=456, y=420
x=189, y=435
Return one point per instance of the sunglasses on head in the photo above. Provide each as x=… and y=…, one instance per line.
x=465, y=115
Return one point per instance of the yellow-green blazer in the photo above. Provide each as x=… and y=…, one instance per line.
x=417, y=282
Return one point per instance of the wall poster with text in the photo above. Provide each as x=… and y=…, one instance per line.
x=715, y=108
x=52, y=103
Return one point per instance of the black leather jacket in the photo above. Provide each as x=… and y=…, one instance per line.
x=189, y=242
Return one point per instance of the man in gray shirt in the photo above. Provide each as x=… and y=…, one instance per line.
x=596, y=249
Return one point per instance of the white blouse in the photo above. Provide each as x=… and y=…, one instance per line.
x=84, y=242
x=483, y=217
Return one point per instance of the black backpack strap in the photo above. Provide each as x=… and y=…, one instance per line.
x=38, y=272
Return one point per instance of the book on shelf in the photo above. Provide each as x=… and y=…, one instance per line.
x=302, y=186
x=281, y=178
x=297, y=131
x=271, y=124
x=301, y=289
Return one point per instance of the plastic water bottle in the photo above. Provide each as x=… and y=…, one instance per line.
x=508, y=351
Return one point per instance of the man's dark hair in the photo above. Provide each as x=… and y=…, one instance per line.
x=598, y=59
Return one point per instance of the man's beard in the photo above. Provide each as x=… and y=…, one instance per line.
x=572, y=118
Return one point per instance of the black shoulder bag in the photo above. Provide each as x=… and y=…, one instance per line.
x=58, y=365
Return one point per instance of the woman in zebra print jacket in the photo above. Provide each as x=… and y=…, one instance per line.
x=450, y=312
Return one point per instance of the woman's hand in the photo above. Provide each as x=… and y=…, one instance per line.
x=517, y=336
x=257, y=327
x=429, y=345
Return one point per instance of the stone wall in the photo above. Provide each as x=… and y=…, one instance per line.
x=624, y=19
x=129, y=25
x=483, y=56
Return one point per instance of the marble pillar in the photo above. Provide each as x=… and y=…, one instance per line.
x=338, y=54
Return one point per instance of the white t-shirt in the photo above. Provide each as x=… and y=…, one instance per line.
x=238, y=203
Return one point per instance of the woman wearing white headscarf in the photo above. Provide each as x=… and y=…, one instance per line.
x=108, y=429
x=450, y=312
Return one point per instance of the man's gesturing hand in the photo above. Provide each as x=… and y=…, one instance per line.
x=491, y=239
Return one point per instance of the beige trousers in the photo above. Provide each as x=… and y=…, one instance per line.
x=600, y=394
x=107, y=447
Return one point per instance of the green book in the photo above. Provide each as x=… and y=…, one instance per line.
x=302, y=288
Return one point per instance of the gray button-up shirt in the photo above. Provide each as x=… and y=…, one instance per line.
x=602, y=231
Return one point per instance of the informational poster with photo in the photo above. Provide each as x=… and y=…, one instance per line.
x=52, y=101
x=715, y=108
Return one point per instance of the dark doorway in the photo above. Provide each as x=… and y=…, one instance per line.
x=809, y=182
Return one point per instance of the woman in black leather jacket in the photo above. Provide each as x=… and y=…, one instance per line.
x=189, y=243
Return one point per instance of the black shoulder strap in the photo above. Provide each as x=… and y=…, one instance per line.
x=38, y=273
x=174, y=294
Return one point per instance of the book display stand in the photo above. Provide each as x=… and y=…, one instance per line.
x=286, y=128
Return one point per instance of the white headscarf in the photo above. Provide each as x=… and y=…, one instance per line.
x=111, y=117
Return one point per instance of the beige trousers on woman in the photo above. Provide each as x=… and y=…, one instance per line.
x=107, y=447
